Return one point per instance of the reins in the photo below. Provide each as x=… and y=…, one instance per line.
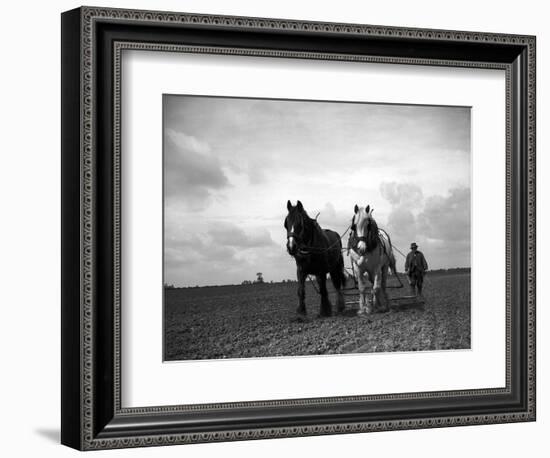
x=306, y=250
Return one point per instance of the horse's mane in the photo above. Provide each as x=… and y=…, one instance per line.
x=316, y=229
x=372, y=238
x=372, y=235
x=312, y=228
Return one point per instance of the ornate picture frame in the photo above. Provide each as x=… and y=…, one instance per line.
x=93, y=416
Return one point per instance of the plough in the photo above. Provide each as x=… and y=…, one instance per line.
x=352, y=293
x=399, y=301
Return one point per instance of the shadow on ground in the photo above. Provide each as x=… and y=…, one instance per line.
x=53, y=435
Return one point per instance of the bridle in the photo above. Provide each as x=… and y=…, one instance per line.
x=353, y=227
x=297, y=236
x=362, y=238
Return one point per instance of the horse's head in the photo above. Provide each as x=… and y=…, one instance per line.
x=365, y=228
x=297, y=227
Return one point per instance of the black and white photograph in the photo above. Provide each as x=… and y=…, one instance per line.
x=305, y=227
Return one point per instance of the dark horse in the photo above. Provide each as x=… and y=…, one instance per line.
x=316, y=252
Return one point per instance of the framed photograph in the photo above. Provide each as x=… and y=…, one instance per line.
x=276, y=228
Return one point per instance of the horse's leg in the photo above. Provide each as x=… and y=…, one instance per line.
x=419, y=282
x=383, y=293
x=337, y=278
x=326, y=307
x=377, y=289
x=412, y=283
x=301, y=310
x=364, y=303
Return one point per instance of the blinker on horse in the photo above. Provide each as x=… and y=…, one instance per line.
x=317, y=252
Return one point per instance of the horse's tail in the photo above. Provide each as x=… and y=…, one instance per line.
x=334, y=250
x=338, y=275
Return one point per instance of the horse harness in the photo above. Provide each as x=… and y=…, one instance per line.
x=298, y=236
x=305, y=250
x=354, y=239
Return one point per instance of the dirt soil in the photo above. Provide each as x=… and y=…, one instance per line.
x=259, y=320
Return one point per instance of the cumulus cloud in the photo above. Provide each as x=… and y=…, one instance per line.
x=188, y=142
x=403, y=199
x=447, y=217
x=190, y=260
x=401, y=194
x=232, y=235
x=402, y=222
x=191, y=172
x=440, y=224
x=223, y=253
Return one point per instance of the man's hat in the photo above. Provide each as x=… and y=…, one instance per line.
x=414, y=245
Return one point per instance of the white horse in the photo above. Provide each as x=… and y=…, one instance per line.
x=372, y=255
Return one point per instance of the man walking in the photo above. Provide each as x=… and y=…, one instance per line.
x=415, y=267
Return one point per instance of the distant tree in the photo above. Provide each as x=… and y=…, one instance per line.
x=260, y=278
x=167, y=286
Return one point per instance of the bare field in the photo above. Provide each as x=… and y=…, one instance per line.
x=259, y=320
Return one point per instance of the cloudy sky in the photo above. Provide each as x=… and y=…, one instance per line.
x=231, y=164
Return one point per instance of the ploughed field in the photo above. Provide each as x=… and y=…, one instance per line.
x=259, y=320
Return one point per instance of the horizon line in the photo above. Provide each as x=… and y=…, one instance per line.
x=285, y=280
